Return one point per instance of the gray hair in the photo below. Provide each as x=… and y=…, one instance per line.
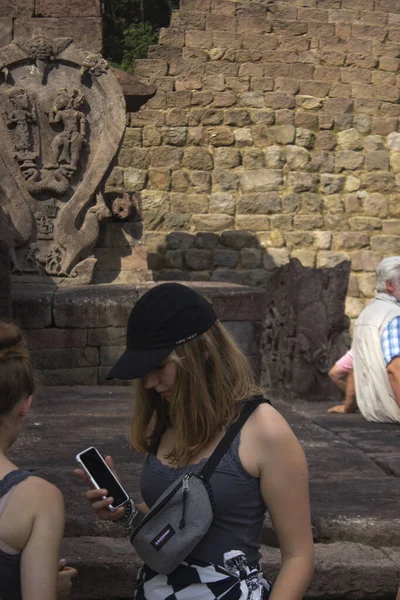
x=387, y=270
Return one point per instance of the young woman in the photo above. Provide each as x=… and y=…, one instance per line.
x=192, y=383
x=31, y=509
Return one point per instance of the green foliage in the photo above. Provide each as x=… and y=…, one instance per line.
x=137, y=39
x=131, y=26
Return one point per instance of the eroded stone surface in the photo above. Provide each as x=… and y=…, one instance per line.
x=355, y=519
x=5, y=278
x=304, y=329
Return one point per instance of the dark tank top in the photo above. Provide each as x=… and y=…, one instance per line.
x=239, y=507
x=10, y=576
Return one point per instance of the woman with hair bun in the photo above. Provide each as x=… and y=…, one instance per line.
x=193, y=383
x=31, y=509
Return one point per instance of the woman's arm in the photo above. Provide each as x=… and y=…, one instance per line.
x=40, y=557
x=284, y=487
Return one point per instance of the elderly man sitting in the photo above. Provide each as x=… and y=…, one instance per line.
x=376, y=349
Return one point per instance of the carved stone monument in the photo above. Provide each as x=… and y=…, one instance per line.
x=62, y=119
x=305, y=329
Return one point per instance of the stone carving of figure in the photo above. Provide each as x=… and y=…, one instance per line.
x=51, y=209
x=19, y=119
x=30, y=258
x=44, y=226
x=67, y=145
x=53, y=261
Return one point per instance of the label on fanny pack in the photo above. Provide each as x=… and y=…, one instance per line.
x=162, y=538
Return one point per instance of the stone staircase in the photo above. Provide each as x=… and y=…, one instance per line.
x=354, y=468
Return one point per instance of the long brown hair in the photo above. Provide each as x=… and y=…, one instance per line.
x=16, y=373
x=213, y=376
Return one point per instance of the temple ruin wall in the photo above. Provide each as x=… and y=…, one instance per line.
x=80, y=20
x=273, y=134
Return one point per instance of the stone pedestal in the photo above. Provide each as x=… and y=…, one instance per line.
x=76, y=334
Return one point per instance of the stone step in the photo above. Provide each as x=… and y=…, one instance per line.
x=339, y=508
x=107, y=569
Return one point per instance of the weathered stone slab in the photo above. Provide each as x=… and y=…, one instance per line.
x=77, y=376
x=246, y=334
x=375, y=442
x=107, y=336
x=357, y=510
x=65, y=358
x=343, y=569
x=8, y=8
x=51, y=338
x=110, y=436
x=304, y=329
x=25, y=8
x=335, y=460
x=232, y=302
x=110, y=354
x=72, y=8
x=80, y=519
x=100, y=306
x=344, y=423
x=5, y=30
x=86, y=32
x=84, y=401
x=32, y=305
x=390, y=463
x=5, y=279
x=90, y=555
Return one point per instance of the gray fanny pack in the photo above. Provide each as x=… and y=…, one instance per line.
x=183, y=514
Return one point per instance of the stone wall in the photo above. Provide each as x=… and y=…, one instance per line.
x=76, y=334
x=80, y=19
x=274, y=134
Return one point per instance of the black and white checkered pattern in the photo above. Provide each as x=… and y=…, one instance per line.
x=205, y=581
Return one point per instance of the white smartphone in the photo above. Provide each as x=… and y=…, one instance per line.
x=101, y=476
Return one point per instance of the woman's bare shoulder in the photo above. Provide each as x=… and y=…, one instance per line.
x=269, y=426
x=39, y=490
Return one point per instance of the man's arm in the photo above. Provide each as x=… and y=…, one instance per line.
x=339, y=377
x=393, y=370
x=350, y=403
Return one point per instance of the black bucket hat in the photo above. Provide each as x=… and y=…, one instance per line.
x=165, y=317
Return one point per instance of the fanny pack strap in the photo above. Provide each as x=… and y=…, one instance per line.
x=249, y=407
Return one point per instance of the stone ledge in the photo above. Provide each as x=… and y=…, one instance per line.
x=32, y=306
x=110, y=305
x=73, y=376
x=107, y=569
x=94, y=306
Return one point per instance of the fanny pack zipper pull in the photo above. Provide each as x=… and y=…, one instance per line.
x=185, y=491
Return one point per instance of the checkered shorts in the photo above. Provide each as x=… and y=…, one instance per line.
x=205, y=581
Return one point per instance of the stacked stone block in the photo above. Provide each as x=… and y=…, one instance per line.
x=79, y=19
x=273, y=134
x=77, y=334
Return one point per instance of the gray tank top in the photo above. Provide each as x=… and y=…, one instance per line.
x=239, y=507
x=10, y=576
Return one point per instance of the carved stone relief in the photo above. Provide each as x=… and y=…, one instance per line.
x=304, y=329
x=62, y=118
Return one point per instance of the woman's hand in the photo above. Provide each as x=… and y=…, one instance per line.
x=64, y=582
x=99, y=499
